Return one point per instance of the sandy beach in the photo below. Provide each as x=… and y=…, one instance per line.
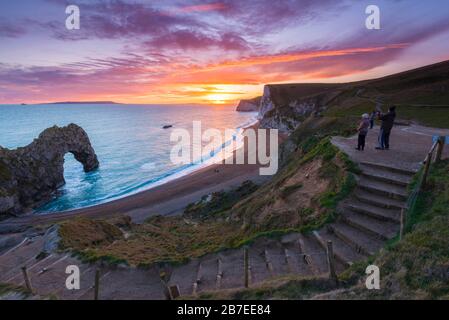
x=167, y=199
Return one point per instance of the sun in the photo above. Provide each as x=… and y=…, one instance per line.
x=218, y=98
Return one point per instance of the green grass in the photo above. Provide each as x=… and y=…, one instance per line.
x=429, y=116
x=417, y=266
x=413, y=268
x=219, y=202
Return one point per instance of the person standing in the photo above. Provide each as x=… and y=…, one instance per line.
x=385, y=128
x=372, y=117
x=363, y=131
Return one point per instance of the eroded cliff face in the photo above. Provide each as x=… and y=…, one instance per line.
x=249, y=105
x=29, y=176
x=285, y=107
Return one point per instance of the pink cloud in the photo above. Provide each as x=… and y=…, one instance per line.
x=187, y=39
x=202, y=8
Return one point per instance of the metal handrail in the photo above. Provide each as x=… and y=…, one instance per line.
x=411, y=200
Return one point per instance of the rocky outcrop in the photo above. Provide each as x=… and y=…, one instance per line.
x=29, y=176
x=249, y=105
x=284, y=107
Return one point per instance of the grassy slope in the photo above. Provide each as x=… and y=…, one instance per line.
x=418, y=266
x=421, y=95
x=414, y=268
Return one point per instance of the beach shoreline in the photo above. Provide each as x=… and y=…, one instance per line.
x=169, y=198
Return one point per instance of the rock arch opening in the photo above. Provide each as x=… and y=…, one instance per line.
x=36, y=171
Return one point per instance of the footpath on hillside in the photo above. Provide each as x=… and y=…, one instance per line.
x=409, y=146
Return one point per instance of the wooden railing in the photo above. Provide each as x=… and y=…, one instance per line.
x=434, y=155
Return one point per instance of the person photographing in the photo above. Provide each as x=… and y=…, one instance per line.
x=385, y=128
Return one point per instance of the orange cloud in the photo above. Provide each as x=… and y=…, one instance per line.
x=202, y=8
x=282, y=58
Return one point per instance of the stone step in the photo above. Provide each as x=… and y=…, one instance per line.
x=231, y=263
x=10, y=241
x=131, y=284
x=374, y=211
x=294, y=255
x=386, y=176
x=382, y=188
x=184, y=276
x=378, y=200
x=315, y=255
x=206, y=274
x=259, y=271
x=51, y=278
x=384, y=230
x=275, y=253
x=404, y=171
x=33, y=268
x=88, y=292
x=344, y=253
x=13, y=260
x=53, y=282
x=361, y=241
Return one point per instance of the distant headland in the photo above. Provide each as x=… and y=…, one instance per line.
x=82, y=102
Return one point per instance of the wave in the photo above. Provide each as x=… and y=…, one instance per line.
x=215, y=156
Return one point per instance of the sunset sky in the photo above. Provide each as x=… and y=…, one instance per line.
x=209, y=52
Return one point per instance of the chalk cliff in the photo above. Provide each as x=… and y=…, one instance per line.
x=249, y=105
x=30, y=175
x=286, y=106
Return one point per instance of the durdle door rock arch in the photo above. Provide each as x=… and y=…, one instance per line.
x=30, y=175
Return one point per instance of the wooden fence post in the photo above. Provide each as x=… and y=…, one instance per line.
x=219, y=273
x=97, y=284
x=331, y=261
x=27, y=279
x=198, y=279
x=401, y=230
x=426, y=169
x=174, y=292
x=441, y=142
x=246, y=266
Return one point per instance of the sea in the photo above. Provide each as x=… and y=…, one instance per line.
x=132, y=146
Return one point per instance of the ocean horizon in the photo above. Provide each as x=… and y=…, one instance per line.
x=129, y=140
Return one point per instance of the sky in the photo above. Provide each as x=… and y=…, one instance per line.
x=207, y=51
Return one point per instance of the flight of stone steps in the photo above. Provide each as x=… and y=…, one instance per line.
x=367, y=219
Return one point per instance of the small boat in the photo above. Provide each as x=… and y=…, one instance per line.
x=167, y=126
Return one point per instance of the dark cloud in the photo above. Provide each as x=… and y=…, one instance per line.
x=261, y=16
x=187, y=39
x=119, y=19
x=10, y=30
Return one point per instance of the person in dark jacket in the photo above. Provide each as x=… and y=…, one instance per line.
x=385, y=128
x=372, y=117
